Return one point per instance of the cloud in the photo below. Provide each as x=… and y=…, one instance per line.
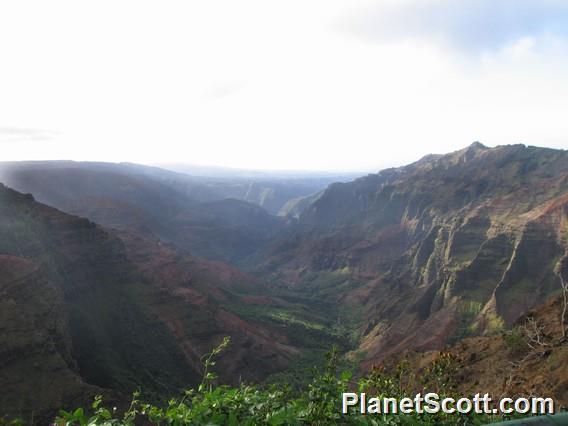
x=474, y=26
x=20, y=134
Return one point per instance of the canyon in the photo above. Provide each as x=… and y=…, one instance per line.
x=117, y=277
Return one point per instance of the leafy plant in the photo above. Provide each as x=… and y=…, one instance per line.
x=317, y=404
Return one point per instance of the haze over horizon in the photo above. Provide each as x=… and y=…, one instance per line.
x=311, y=85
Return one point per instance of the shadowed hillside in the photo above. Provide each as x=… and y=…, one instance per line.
x=84, y=310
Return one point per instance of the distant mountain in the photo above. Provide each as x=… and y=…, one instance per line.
x=120, y=196
x=54, y=182
x=268, y=175
x=270, y=192
x=227, y=229
x=147, y=201
x=87, y=311
x=450, y=246
x=218, y=218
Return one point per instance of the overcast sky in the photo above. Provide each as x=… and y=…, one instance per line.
x=350, y=85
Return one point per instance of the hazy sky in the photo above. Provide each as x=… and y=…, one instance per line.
x=279, y=84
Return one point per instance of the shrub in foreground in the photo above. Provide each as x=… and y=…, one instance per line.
x=317, y=404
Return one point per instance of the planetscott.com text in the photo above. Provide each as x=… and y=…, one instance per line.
x=431, y=403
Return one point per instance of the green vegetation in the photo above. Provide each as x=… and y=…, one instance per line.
x=317, y=404
x=467, y=312
x=515, y=341
x=310, y=321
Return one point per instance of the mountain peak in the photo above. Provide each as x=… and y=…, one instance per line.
x=477, y=145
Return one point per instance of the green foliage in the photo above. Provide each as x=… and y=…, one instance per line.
x=307, y=322
x=400, y=382
x=5, y=421
x=317, y=404
x=515, y=341
x=439, y=375
x=208, y=362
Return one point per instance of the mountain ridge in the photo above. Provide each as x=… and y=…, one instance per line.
x=445, y=247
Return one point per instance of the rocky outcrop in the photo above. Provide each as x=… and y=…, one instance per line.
x=450, y=246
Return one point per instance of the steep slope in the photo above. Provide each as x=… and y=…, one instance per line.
x=296, y=206
x=192, y=296
x=36, y=351
x=529, y=360
x=425, y=254
x=526, y=361
x=102, y=311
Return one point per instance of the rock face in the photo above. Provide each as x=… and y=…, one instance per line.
x=84, y=310
x=426, y=254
